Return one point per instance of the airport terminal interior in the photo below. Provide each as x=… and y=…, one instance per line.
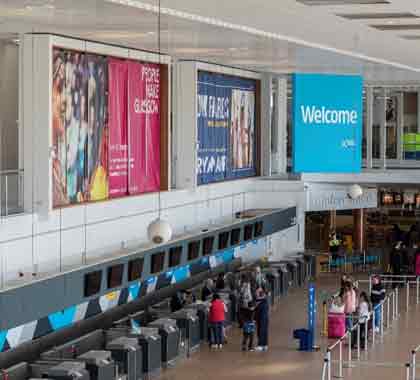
x=207, y=190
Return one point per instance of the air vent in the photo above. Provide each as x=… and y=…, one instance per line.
x=376, y=16
x=397, y=27
x=342, y=2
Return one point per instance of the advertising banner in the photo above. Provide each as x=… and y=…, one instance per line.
x=118, y=131
x=226, y=127
x=97, y=173
x=143, y=127
x=59, y=166
x=327, y=123
x=69, y=108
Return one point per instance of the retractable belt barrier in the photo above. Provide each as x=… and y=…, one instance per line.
x=384, y=324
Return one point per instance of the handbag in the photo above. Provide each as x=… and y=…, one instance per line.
x=249, y=327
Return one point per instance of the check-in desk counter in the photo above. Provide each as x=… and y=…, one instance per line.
x=170, y=334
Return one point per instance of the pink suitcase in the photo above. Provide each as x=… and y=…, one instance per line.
x=336, y=325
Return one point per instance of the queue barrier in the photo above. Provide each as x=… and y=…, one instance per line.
x=385, y=323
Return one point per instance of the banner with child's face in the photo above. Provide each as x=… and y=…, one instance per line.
x=226, y=127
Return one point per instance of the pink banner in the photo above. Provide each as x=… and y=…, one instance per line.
x=118, y=139
x=143, y=127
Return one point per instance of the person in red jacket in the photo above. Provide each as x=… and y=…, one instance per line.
x=216, y=320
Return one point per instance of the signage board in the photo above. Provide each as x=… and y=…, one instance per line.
x=327, y=123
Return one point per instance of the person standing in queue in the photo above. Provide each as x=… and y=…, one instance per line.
x=220, y=282
x=217, y=320
x=262, y=319
x=417, y=261
x=207, y=290
x=349, y=304
x=396, y=263
x=377, y=296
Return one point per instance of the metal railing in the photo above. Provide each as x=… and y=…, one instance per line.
x=385, y=324
x=11, y=192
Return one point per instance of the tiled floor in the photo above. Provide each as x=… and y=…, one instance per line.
x=283, y=361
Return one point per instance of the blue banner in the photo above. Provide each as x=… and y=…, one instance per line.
x=226, y=128
x=327, y=123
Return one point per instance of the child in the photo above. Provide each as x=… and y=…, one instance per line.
x=248, y=328
x=363, y=316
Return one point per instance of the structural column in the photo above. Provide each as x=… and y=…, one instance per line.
x=358, y=229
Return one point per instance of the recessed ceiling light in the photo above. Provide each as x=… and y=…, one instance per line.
x=342, y=2
x=151, y=33
x=397, y=27
x=377, y=16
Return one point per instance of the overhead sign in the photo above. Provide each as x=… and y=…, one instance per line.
x=327, y=123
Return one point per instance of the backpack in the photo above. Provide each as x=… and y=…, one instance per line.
x=249, y=327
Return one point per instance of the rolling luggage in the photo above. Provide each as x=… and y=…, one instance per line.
x=336, y=325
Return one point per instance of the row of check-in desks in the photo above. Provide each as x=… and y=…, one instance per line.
x=140, y=345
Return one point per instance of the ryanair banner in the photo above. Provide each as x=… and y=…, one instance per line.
x=226, y=128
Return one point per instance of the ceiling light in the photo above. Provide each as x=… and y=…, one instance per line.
x=397, y=27
x=376, y=16
x=342, y=2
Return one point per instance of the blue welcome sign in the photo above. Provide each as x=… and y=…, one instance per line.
x=327, y=123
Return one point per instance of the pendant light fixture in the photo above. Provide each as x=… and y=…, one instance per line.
x=159, y=231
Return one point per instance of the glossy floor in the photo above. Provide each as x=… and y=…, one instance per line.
x=282, y=361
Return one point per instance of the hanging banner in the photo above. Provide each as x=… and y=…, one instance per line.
x=143, y=127
x=118, y=132
x=226, y=127
x=59, y=166
x=97, y=173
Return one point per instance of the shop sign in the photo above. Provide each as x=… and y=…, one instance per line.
x=339, y=200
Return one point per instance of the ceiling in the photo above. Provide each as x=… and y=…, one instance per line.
x=278, y=36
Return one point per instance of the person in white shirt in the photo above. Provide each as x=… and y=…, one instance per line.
x=364, y=316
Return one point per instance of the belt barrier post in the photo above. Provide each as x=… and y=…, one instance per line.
x=417, y=291
x=340, y=363
x=366, y=334
x=350, y=343
x=382, y=319
x=388, y=311
x=397, y=308
x=408, y=296
x=413, y=365
x=329, y=364
x=373, y=326
x=407, y=371
x=358, y=341
x=393, y=306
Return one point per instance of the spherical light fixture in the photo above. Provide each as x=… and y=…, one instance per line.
x=159, y=231
x=355, y=191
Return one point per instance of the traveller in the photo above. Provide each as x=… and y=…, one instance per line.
x=344, y=279
x=177, y=302
x=220, y=282
x=417, y=261
x=396, y=263
x=245, y=297
x=248, y=328
x=377, y=296
x=207, y=290
x=259, y=278
x=349, y=304
x=262, y=319
x=363, y=316
x=334, y=245
x=216, y=319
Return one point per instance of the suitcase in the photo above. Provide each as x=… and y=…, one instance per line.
x=336, y=325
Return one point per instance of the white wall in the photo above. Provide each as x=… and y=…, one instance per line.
x=98, y=230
